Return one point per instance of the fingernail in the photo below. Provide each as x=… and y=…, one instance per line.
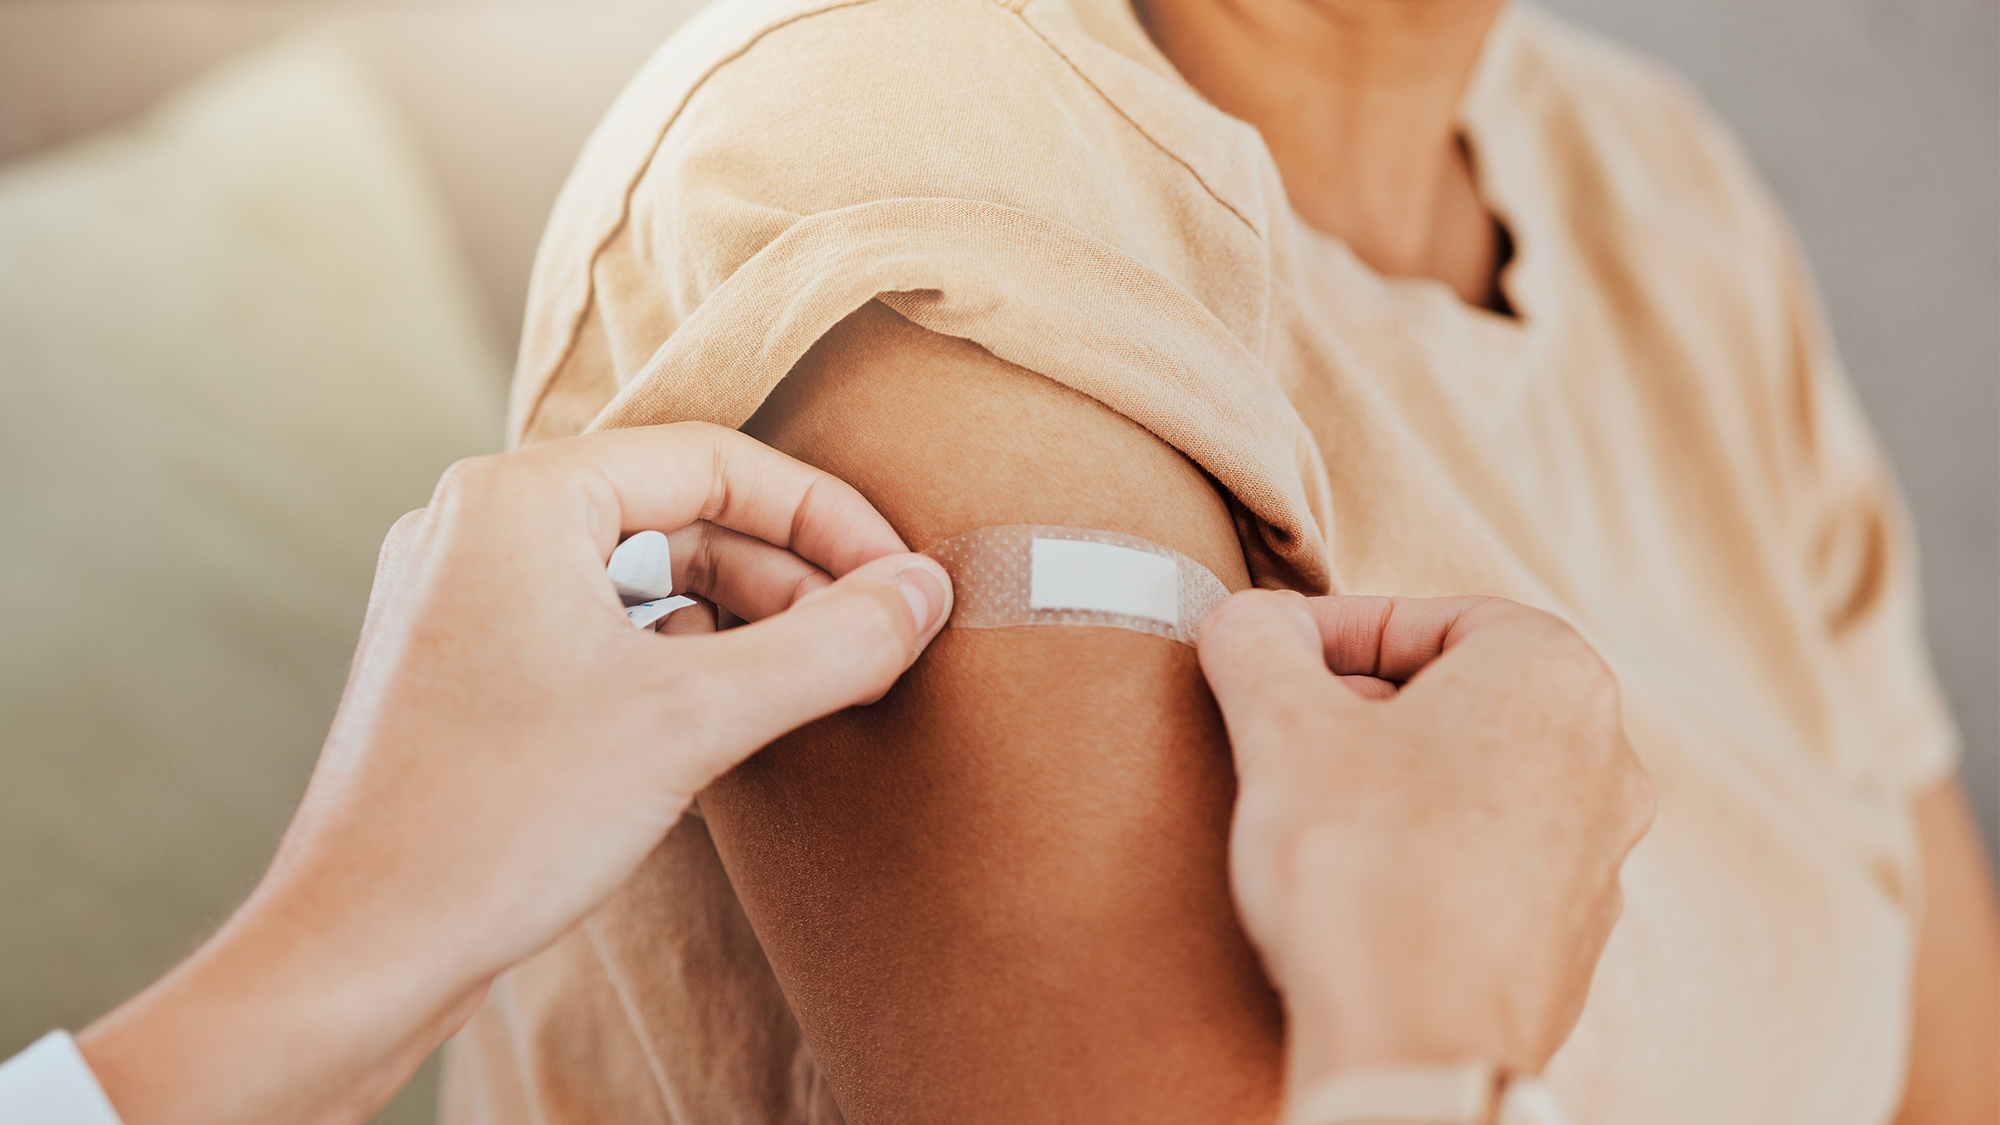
x=926, y=597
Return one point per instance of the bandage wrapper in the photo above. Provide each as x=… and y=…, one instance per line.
x=641, y=569
x=1033, y=574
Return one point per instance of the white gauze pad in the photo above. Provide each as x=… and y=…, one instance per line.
x=1030, y=574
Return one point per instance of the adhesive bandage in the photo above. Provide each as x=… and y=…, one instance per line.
x=1030, y=574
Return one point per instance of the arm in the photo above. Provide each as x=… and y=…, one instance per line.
x=491, y=776
x=1955, y=1033
x=1001, y=893
x=1859, y=551
x=1430, y=893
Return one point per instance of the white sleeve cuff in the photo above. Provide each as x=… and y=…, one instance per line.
x=51, y=1084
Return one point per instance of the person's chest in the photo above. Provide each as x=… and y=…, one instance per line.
x=1608, y=456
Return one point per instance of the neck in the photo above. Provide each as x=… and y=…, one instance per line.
x=1357, y=101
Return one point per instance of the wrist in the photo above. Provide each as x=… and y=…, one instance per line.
x=263, y=1024
x=1464, y=1094
x=1408, y=1094
x=1413, y=1049
x=1379, y=1020
x=1391, y=994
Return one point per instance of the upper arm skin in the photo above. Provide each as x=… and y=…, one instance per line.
x=1954, y=1074
x=1000, y=894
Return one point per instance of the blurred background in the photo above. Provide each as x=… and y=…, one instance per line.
x=262, y=264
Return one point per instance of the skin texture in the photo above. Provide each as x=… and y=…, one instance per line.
x=1954, y=1078
x=1001, y=893
x=509, y=748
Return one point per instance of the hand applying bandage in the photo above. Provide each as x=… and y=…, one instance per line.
x=1434, y=800
x=509, y=749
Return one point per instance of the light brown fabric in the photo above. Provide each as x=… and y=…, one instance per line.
x=1661, y=448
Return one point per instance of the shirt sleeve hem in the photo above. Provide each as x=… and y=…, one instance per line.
x=1036, y=293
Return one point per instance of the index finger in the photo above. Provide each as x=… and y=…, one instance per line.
x=666, y=477
x=1393, y=638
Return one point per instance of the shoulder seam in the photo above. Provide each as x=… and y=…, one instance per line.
x=573, y=332
x=575, y=329
x=1016, y=6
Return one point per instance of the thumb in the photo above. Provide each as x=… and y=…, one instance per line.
x=1261, y=653
x=838, y=646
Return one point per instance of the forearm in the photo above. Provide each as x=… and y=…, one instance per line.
x=268, y=1023
x=492, y=777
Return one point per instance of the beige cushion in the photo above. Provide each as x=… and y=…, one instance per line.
x=235, y=344
x=499, y=93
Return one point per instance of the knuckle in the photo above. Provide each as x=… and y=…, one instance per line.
x=1642, y=802
x=469, y=474
x=1590, y=683
x=806, y=586
x=404, y=527
x=701, y=565
x=1488, y=610
x=473, y=482
x=703, y=431
x=402, y=537
x=1543, y=629
x=1598, y=695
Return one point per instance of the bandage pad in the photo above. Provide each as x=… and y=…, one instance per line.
x=1031, y=574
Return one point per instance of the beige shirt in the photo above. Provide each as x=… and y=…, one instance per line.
x=1660, y=448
